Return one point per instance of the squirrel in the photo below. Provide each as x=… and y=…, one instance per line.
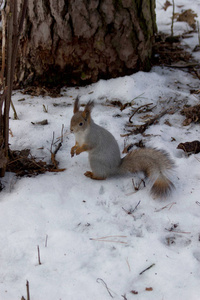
x=104, y=154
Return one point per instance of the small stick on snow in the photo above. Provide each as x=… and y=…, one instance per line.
x=27, y=290
x=53, y=153
x=166, y=206
x=105, y=239
x=176, y=231
x=138, y=187
x=46, y=240
x=147, y=269
x=131, y=211
x=112, y=236
x=109, y=241
x=136, y=207
x=62, y=133
x=98, y=280
x=145, y=105
x=38, y=255
x=128, y=264
x=141, y=128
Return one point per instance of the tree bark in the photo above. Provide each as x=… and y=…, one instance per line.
x=80, y=41
x=10, y=38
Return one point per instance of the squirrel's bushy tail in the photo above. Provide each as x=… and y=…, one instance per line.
x=155, y=164
x=162, y=186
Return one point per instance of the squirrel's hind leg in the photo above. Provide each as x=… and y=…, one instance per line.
x=92, y=176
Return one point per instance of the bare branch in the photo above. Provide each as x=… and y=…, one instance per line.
x=103, y=282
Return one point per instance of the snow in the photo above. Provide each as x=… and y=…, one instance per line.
x=89, y=245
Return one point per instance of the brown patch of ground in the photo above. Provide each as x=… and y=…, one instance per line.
x=24, y=164
x=192, y=114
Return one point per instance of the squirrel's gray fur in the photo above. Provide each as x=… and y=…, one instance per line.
x=104, y=154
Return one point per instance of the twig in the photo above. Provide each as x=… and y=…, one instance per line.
x=46, y=240
x=142, y=128
x=57, y=148
x=38, y=248
x=103, y=282
x=61, y=139
x=105, y=239
x=27, y=290
x=173, y=14
x=108, y=241
x=147, y=269
x=136, y=188
x=182, y=65
x=128, y=264
x=137, y=110
x=166, y=206
x=125, y=105
x=131, y=211
x=113, y=236
x=131, y=103
x=52, y=142
x=56, y=170
x=45, y=109
x=136, y=207
x=176, y=231
x=53, y=153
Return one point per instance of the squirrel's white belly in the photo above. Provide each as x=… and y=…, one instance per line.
x=80, y=137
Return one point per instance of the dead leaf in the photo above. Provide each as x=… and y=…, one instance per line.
x=166, y=5
x=189, y=17
x=44, y=122
x=190, y=147
x=149, y=289
x=134, y=292
x=192, y=114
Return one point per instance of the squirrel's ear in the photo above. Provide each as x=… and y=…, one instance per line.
x=76, y=105
x=88, y=109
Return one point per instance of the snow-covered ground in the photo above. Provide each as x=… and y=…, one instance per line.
x=90, y=247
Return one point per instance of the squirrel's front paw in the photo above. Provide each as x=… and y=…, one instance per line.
x=88, y=174
x=78, y=150
x=92, y=176
x=73, y=149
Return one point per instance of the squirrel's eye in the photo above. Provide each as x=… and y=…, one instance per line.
x=81, y=124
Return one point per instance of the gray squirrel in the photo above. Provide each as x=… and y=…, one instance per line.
x=104, y=153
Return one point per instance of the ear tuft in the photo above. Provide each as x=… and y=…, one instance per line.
x=89, y=106
x=76, y=105
x=87, y=111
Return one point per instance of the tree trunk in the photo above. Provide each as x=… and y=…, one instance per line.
x=12, y=23
x=80, y=41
